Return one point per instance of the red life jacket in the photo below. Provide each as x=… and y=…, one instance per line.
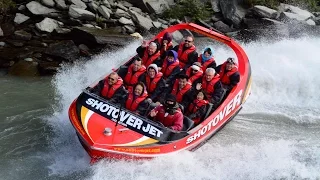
x=169, y=120
x=183, y=55
x=195, y=106
x=132, y=104
x=225, y=76
x=147, y=60
x=132, y=78
x=179, y=93
x=205, y=64
x=209, y=86
x=108, y=91
x=167, y=70
x=152, y=84
x=194, y=76
x=168, y=46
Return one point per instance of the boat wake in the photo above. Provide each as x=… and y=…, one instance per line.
x=285, y=100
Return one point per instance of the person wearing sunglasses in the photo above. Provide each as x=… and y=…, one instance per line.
x=212, y=85
x=195, y=73
x=136, y=99
x=149, y=53
x=187, y=53
x=229, y=74
x=111, y=88
x=206, y=59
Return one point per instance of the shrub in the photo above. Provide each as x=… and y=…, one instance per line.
x=190, y=8
x=6, y=5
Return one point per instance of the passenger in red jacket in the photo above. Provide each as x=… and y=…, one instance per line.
x=183, y=90
x=169, y=113
x=136, y=100
x=229, y=74
x=132, y=74
x=187, y=53
x=154, y=82
x=212, y=85
x=149, y=53
x=195, y=73
x=111, y=88
x=170, y=67
x=206, y=59
x=165, y=44
x=197, y=109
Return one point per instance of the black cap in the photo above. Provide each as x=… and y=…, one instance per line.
x=171, y=97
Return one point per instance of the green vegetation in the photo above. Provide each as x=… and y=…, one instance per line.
x=6, y=5
x=311, y=5
x=190, y=8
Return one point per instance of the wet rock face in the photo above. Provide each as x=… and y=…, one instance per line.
x=52, y=31
x=93, y=37
x=66, y=50
x=24, y=68
x=38, y=9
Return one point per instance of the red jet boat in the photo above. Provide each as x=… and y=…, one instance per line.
x=108, y=131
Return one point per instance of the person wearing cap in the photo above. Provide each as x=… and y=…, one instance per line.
x=149, y=53
x=195, y=73
x=182, y=89
x=169, y=114
x=206, y=59
x=187, y=53
x=212, y=85
x=154, y=82
x=170, y=67
x=229, y=74
x=197, y=109
x=111, y=88
x=136, y=99
x=132, y=74
x=165, y=44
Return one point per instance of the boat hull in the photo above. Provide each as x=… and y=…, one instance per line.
x=134, y=137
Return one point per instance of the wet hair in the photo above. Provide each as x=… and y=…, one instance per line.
x=205, y=96
x=183, y=76
x=141, y=84
x=190, y=36
x=137, y=59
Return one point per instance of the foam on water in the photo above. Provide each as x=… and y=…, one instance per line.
x=286, y=78
x=285, y=81
x=267, y=160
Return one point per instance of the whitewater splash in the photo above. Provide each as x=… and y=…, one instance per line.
x=284, y=82
x=286, y=78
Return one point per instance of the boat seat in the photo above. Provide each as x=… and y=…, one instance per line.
x=187, y=124
x=209, y=109
x=181, y=107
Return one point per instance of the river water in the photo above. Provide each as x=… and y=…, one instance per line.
x=275, y=136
